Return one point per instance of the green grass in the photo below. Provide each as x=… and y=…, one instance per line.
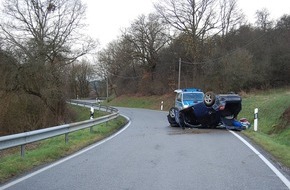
x=273, y=133
x=83, y=113
x=271, y=106
x=135, y=102
x=43, y=152
x=279, y=148
x=148, y=102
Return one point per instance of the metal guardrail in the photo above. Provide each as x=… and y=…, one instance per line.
x=96, y=106
x=21, y=139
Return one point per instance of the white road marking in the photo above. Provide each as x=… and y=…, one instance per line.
x=67, y=158
x=269, y=164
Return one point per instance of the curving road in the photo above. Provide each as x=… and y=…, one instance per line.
x=149, y=154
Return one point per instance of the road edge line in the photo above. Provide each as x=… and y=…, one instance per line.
x=10, y=184
x=267, y=162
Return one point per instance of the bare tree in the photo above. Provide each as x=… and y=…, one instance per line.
x=116, y=64
x=80, y=75
x=263, y=19
x=44, y=36
x=198, y=20
x=231, y=17
x=147, y=36
x=50, y=27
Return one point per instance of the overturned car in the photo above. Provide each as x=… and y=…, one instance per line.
x=193, y=108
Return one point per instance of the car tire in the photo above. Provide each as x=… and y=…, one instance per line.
x=209, y=99
x=171, y=117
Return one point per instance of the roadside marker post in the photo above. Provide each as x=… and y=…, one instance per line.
x=161, y=107
x=92, y=117
x=256, y=119
x=92, y=113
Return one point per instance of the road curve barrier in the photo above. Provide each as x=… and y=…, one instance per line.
x=21, y=139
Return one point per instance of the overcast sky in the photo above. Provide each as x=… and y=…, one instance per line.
x=107, y=18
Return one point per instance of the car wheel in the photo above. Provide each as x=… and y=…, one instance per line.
x=171, y=117
x=172, y=112
x=209, y=99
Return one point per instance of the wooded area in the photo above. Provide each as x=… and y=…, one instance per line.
x=42, y=43
x=219, y=50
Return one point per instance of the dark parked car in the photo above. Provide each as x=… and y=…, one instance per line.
x=210, y=111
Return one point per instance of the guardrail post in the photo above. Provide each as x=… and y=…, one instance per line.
x=23, y=150
x=66, y=138
x=91, y=129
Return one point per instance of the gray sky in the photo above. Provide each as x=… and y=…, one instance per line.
x=107, y=18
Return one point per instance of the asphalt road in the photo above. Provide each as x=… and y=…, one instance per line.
x=149, y=154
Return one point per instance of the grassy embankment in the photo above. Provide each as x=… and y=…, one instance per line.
x=273, y=130
x=43, y=152
x=148, y=102
x=273, y=124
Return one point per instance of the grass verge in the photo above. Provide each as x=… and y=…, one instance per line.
x=47, y=151
x=83, y=113
x=273, y=133
x=148, y=102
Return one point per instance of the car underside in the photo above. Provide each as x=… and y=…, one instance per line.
x=215, y=110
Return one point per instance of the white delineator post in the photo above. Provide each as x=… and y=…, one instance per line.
x=92, y=113
x=256, y=119
x=161, y=107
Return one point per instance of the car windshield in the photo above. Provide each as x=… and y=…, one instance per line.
x=193, y=97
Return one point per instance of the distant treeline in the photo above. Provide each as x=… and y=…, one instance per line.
x=218, y=52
